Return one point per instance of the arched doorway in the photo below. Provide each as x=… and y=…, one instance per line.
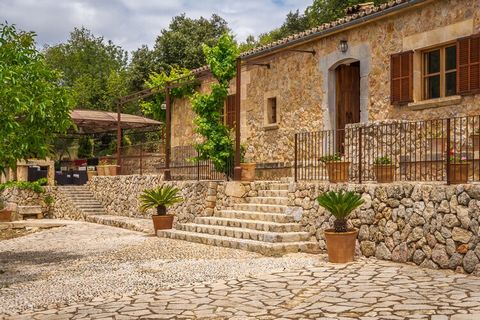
x=347, y=99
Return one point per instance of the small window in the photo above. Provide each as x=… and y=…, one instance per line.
x=440, y=72
x=272, y=110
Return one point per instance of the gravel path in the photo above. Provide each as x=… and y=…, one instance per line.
x=81, y=261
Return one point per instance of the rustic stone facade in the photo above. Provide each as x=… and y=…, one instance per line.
x=304, y=84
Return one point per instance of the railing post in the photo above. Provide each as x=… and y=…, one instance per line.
x=448, y=150
x=198, y=166
x=141, y=158
x=360, y=154
x=296, y=159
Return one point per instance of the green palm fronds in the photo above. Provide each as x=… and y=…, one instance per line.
x=161, y=196
x=341, y=203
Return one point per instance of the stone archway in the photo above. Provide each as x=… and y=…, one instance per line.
x=328, y=66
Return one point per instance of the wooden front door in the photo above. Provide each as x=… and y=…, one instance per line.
x=347, y=100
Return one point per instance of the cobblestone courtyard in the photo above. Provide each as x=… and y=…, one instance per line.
x=96, y=272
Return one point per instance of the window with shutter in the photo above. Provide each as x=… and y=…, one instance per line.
x=468, y=65
x=230, y=111
x=401, y=77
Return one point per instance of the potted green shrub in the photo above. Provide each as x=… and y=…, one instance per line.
x=458, y=170
x=336, y=168
x=384, y=169
x=5, y=214
x=160, y=198
x=248, y=168
x=340, y=240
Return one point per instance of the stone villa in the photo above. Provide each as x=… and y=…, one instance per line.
x=408, y=59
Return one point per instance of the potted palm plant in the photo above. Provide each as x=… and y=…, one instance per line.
x=336, y=168
x=384, y=169
x=5, y=214
x=160, y=198
x=340, y=240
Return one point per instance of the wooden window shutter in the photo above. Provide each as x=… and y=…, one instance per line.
x=468, y=65
x=230, y=111
x=401, y=77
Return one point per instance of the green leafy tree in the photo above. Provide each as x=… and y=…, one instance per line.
x=322, y=11
x=34, y=107
x=217, y=145
x=89, y=65
x=181, y=43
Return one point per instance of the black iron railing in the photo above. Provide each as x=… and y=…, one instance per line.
x=432, y=150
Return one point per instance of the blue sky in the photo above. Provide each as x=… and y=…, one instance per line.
x=131, y=23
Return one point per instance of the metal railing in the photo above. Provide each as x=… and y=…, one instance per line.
x=432, y=150
x=185, y=166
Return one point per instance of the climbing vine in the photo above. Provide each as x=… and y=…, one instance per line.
x=158, y=81
x=218, y=143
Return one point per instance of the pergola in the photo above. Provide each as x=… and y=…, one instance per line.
x=95, y=121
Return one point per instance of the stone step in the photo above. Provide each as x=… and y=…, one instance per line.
x=253, y=215
x=268, y=200
x=265, y=248
x=271, y=208
x=135, y=224
x=242, y=233
x=278, y=186
x=273, y=193
x=249, y=224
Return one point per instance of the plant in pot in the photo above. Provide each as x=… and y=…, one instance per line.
x=340, y=240
x=5, y=214
x=384, y=169
x=248, y=169
x=160, y=198
x=458, y=169
x=336, y=168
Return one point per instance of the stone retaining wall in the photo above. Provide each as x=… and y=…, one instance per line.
x=431, y=225
x=15, y=197
x=119, y=195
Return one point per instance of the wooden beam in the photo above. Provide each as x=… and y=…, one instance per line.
x=168, y=123
x=237, y=171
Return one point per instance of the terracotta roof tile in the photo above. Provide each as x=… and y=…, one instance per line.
x=324, y=27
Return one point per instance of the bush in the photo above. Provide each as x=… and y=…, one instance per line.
x=36, y=186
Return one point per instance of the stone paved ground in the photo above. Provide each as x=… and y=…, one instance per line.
x=81, y=261
x=367, y=289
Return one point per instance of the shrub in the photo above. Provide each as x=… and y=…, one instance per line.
x=331, y=158
x=385, y=160
x=162, y=196
x=340, y=204
x=36, y=186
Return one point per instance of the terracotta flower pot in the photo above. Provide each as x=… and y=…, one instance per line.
x=248, y=171
x=458, y=173
x=101, y=170
x=340, y=245
x=5, y=215
x=337, y=171
x=162, y=222
x=384, y=172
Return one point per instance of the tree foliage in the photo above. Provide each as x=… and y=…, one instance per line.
x=90, y=66
x=34, y=107
x=181, y=43
x=218, y=144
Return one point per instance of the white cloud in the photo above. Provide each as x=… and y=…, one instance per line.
x=131, y=23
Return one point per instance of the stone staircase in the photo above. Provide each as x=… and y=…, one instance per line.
x=262, y=225
x=89, y=209
x=83, y=200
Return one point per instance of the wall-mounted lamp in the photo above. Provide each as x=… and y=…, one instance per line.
x=343, y=46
